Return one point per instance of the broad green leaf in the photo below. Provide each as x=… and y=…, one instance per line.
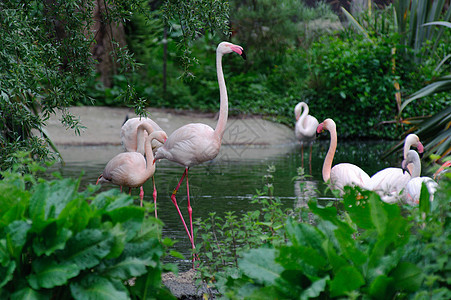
x=27, y=293
x=380, y=287
x=97, y=288
x=48, y=273
x=60, y=193
x=304, y=234
x=260, y=265
x=346, y=280
x=16, y=237
x=425, y=205
x=87, y=248
x=130, y=217
x=303, y=258
x=51, y=239
x=407, y=277
x=378, y=214
x=76, y=215
x=102, y=200
x=315, y=289
x=126, y=269
x=7, y=271
x=359, y=209
x=348, y=247
x=37, y=202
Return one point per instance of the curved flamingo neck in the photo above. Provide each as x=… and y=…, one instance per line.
x=416, y=168
x=327, y=166
x=224, y=105
x=301, y=119
x=150, y=166
x=140, y=138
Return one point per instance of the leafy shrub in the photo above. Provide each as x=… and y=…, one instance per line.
x=367, y=249
x=59, y=243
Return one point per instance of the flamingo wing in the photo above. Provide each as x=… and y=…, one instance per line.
x=126, y=169
x=346, y=174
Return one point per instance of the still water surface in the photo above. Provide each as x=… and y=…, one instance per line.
x=229, y=182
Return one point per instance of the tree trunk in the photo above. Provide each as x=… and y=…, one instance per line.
x=103, y=50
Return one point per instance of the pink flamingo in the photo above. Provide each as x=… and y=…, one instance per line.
x=131, y=169
x=389, y=182
x=196, y=143
x=343, y=174
x=412, y=189
x=133, y=135
x=305, y=129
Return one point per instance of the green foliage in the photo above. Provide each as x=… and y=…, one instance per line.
x=59, y=243
x=367, y=249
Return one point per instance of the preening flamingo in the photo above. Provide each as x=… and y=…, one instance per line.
x=131, y=169
x=389, y=182
x=133, y=136
x=342, y=174
x=305, y=129
x=196, y=143
x=412, y=190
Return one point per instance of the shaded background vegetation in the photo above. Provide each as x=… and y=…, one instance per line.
x=358, y=70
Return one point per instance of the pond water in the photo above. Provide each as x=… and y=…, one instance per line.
x=229, y=182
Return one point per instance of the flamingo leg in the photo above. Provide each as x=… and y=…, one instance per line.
x=302, y=155
x=190, y=209
x=141, y=195
x=310, y=159
x=154, y=196
x=174, y=200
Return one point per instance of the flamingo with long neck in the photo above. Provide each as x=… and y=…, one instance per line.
x=412, y=189
x=389, y=182
x=343, y=174
x=134, y=133
x=131, y=169
x=196, y=143
x=305, y=129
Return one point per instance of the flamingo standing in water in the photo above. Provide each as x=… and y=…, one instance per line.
x=412, y=190
x=305, y=129
x=133, y=140
x=196, y=143
x=131, y=169
x=389, y=182
x=342, y=174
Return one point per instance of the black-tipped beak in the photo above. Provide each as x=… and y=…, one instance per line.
x=243, y=55
x=404, y=167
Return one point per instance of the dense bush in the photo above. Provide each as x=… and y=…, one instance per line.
x=366, y=249
x=59, y=243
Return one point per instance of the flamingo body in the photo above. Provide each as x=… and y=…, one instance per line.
x=132, y=169
x=412, y=190
x=344, y=174
x=305, y=128
x=130, y=136
x=196, y=143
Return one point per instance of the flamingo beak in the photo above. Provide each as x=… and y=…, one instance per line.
x=404, y=166
x=319, y=129
x=239, y=50
x=98, y=179
x=420, y=148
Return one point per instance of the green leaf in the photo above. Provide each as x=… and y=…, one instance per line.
x=407, y=277
x=346, y=280
x=126, y=269
x=27, y=293
x=7, y=271
x=51, y=239
x=48, y=273
x=97, y=288
x=60, y=193
x=16, y=237
x=87, y=248
x=260, y=265
x=379, y=288
x=315, y=289
x=378, y=214
x=37, y=202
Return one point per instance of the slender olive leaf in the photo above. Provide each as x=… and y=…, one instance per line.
x=407, y=277
x=441, y=23
x=96, y=288
x=442, y=84
x=48, y=273
x=346, y=280
x=260, y=265
x=356, y=24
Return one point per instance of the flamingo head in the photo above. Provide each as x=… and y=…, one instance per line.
x=226, y=47
x=414, y=140
x=327, y=124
